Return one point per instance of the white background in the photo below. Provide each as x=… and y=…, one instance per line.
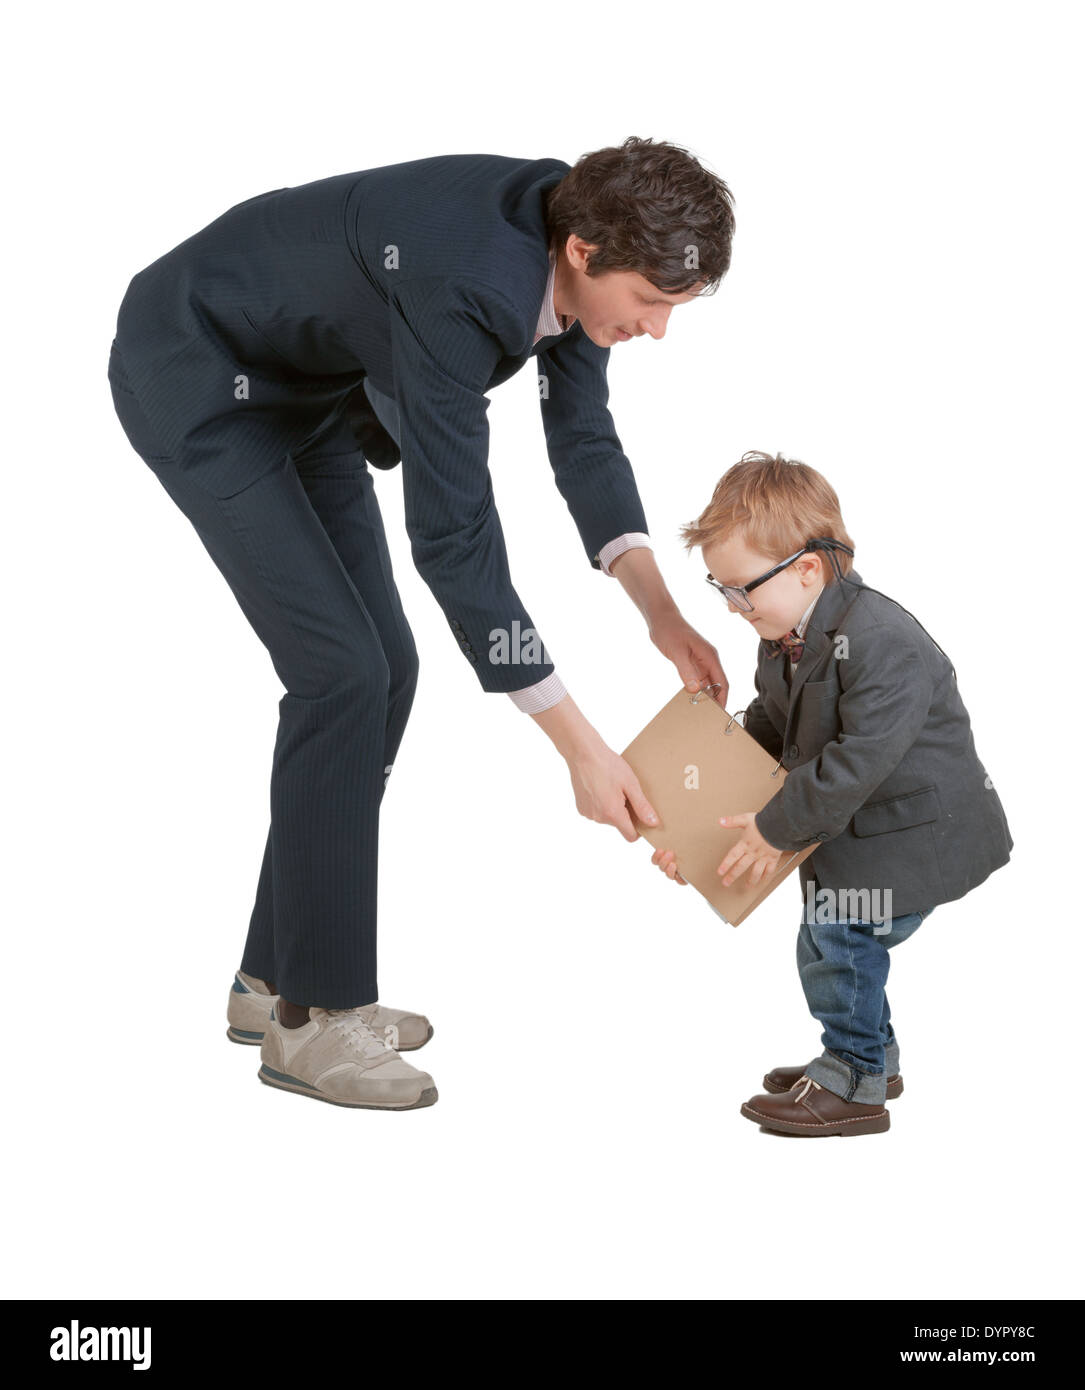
x=903, y=312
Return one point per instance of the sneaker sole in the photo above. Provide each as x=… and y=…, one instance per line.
x=241, y=1035
x=867, y=1124
x=283, y=1081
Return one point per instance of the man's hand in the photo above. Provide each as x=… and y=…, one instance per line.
x=695, y=658
x=606, y=787
x=751, y=852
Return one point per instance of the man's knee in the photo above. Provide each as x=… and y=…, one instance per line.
x=361, y=680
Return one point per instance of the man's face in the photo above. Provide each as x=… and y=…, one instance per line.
x=780, y=602
x=613, y=307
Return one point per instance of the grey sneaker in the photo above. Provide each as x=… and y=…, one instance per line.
x=250, y=1003
x=338, y=1057
x=246, y=1013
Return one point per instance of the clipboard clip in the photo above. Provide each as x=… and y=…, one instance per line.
x=695, y=699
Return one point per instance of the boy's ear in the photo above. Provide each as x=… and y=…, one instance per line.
x=813, y=565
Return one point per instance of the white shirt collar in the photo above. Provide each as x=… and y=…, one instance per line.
x=800, y=626
x=549, y=324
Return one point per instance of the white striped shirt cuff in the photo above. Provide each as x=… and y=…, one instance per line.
x=533, y=699
x=630, y=541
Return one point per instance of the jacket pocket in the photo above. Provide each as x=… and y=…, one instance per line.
x=817, y=721
x=813, y=691
x=897, y=812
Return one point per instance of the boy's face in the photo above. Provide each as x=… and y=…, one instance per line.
x=780, y=602
x=613, y=307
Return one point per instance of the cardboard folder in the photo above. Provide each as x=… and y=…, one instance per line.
x=697, y=763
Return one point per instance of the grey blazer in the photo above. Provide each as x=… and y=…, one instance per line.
x=882, y=769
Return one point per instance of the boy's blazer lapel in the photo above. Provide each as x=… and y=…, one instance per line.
x=833, y=602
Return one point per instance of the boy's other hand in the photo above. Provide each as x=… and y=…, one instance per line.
x=666, y=861
x=751, y=852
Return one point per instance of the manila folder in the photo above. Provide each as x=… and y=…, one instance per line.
x=697, y=763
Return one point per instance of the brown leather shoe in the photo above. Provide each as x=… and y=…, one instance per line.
x=782, y=1079
x=810, y=1110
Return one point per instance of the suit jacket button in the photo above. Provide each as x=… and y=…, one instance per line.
x=793, y=751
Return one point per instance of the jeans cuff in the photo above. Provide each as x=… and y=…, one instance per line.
x=837, y=1076
x=892, y=1059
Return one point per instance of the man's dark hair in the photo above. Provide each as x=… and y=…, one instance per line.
x=647, y=206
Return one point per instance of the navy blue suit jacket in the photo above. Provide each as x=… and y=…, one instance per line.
x=252, y=338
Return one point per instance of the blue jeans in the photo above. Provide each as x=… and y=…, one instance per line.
x=843, y=966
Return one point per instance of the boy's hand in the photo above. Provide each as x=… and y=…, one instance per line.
x=751, y=852
x=665, y=859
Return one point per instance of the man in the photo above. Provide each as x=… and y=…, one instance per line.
x=261, y=363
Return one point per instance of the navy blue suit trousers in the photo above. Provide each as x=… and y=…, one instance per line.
x=304, y=550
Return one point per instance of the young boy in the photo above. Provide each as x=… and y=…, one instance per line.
x=860, y=706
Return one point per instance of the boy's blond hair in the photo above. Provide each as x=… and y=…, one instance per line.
x=776, y=505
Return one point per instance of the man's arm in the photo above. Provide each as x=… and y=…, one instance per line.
x=590, y=469
x=446, y=342
x=632, y=540
x=543, y=695
x=638, y=574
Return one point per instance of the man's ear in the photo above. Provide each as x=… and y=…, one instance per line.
x=577, y=251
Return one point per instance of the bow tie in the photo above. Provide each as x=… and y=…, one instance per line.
x=791, y=643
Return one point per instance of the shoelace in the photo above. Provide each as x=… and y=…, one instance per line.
x=390, y=1031
x=356, y=1032
x=806, y=1089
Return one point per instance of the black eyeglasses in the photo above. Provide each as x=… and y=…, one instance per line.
x=739, y=594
